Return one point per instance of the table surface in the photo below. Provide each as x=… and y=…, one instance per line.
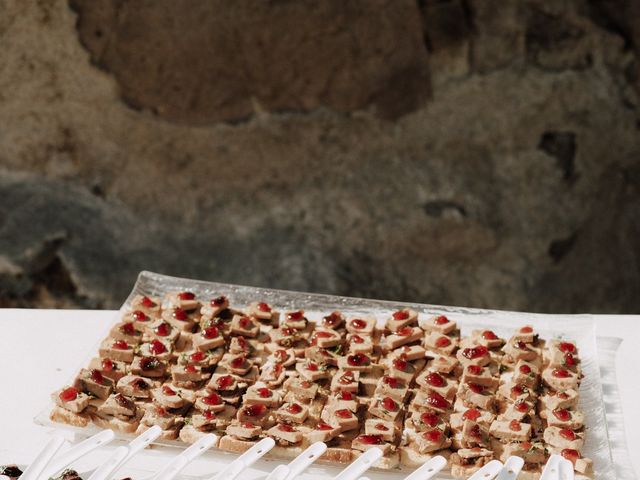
x=40, y=350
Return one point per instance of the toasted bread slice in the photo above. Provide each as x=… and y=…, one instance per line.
x=60, y=415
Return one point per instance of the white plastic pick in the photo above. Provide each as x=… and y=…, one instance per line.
x=110, y=465
x=281, y=472
x=245, y=460
x=429, y=469
x=194, y=451
x=298, y=464
x=123, y=454
x=62, y=461
x=511, y=468
x=37, y=466
x=566, y=470
x=361, y=465
x=551, y=470
x=488, y=472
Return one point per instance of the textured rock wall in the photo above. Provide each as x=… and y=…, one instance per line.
x=479, y=152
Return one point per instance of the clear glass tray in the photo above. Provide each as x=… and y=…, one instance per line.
x=577, y=328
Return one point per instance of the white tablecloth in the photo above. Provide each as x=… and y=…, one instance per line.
x=41, y=349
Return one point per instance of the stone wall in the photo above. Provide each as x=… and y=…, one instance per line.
x=473, y=152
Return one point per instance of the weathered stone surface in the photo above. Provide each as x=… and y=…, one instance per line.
x=500, y=34
x=557, y=42
x=514, y=186
x=203, y=62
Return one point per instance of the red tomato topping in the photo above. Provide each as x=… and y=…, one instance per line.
x=147, y=303
x=560, y=373
x=210, y=332
x=475, y=352
x=357, y=360
x=255, y=410
x=343, y=413
x=489, y=335
x=167, y=390
x=331, y=320
x=471, y=414
x=474, y=369
x=344, y=395
x=264, y=392
x=224, y=381
x=96, y=376
x=391, y=381
x=430, y=419
x=157, y=347
x=569, y=359
x=436, y=400
x=389, y=404
x=107, y=365
x=179, y=314
x=218, y=301
x=294, y=316
x=432, y=435
x=162, y=330
x=127, y=328
x=475, y=388
x=358, y=323
x=400, y=364
x=212, y=399
x=69, y=394
x=197, y=356
x=563, y=414
x=518, y=390
x=238, y=362
x=568, y=434
x=435, y=380
x=440, y=320
x=400, y=315
x=371, y=439
x=404, y=331
x=570, y=454
x=245, y=323
x=567, y=347
x=139, y=316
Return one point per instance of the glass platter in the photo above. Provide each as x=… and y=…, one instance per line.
x=577, y=328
